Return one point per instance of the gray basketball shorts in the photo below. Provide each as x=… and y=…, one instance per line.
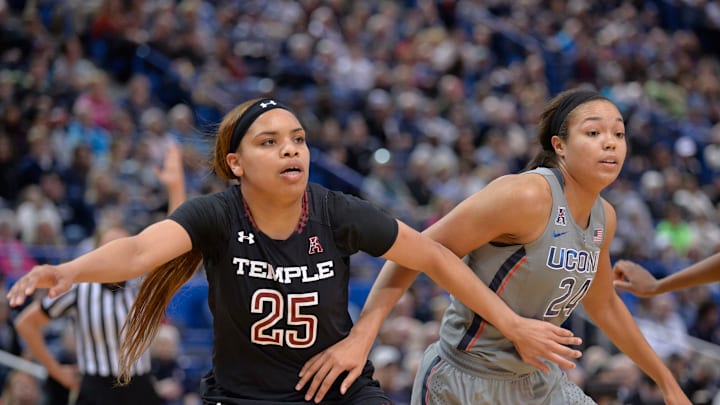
x=440, y=381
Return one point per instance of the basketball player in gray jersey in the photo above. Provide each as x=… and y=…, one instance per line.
x=543, y=279
x=540, y=240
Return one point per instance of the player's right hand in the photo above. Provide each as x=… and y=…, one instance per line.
x=43, y=276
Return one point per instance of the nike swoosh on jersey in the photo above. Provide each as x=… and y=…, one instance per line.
x=558, y=234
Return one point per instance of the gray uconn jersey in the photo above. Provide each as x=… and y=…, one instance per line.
x=545, y=279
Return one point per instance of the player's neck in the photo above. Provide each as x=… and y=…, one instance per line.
x=277, y=220
x=580, y=203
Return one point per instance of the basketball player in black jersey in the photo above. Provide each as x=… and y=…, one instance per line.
x=276, y=252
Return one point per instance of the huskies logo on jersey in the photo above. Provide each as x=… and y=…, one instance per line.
x=560, y=218
x=315, y=246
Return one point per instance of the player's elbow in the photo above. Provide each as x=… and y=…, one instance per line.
x=438, y=259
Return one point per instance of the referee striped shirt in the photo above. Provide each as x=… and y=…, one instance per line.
x=99, y=311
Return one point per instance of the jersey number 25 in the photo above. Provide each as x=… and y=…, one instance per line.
x=272, y=302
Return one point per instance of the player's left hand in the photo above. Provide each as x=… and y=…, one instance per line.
x=324, y=368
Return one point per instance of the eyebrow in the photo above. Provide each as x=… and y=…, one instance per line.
x=298, y=129
x=595, y=118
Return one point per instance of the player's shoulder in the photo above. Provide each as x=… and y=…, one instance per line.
x=333, y=200
x=218, y=198
x=608, y=213
x=519, y=190
x=609, y=208
x=318, y=191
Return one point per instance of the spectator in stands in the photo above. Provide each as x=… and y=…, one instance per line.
x=359, y=144
x=664, y=328
x=170, y=379
x=674, y=230
x=95, y=100
x=646, y=393
x=34, y=210
x=385, y=187
x=702, y=382
x=705, y=325
x=156, y=134
x=139, y=98
x=77, y=173
x=21, y=388
x=68, y=71
x=83, y=130
x=77, y=217
x=8, y=171
x=196, y=146
x=271, y=241
x=388, y=371
x=39, y=160
x=15, y=259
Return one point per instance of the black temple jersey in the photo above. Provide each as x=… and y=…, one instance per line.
x=276, y=303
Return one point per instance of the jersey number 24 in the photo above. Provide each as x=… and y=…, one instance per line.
x=567, y=301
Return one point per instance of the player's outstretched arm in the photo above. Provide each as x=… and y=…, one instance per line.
x=119, y=260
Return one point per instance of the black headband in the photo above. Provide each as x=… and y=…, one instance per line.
x=566, y=106
x=252, y=113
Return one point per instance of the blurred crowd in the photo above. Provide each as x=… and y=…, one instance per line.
x=412, y=104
